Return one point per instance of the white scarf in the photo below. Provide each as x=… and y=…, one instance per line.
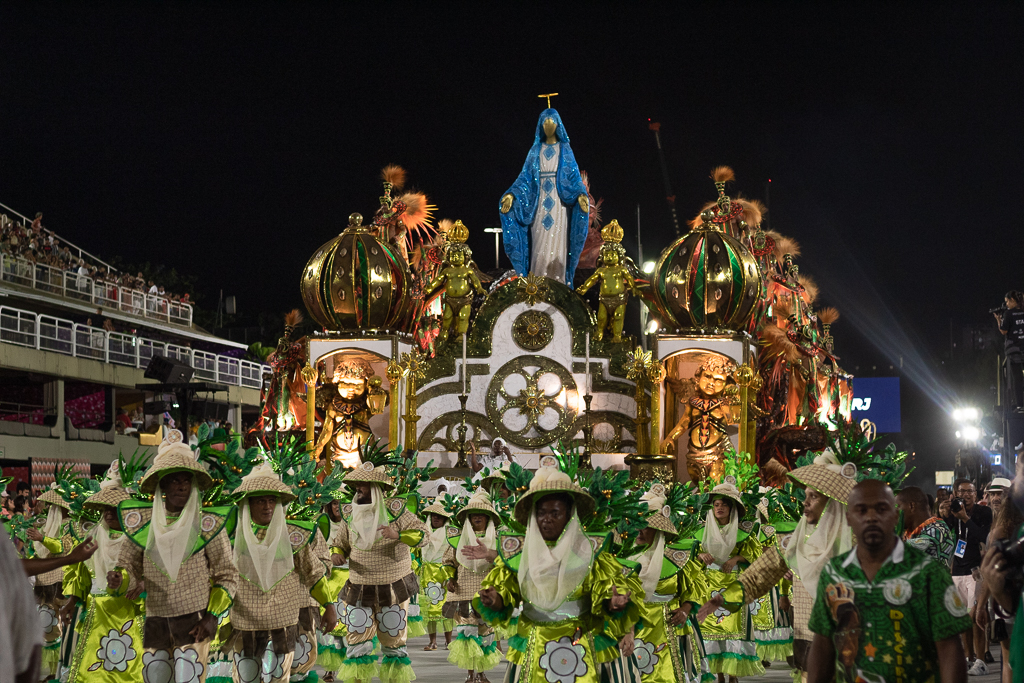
x=366, y=518
x=469, y=538
x=108, y=550
x=721, y=541
x=433, y=551
x=548, y=575
x=54, y=520
x=651, y=561
x=268, y=561
x=812, y=546
x=169, y=545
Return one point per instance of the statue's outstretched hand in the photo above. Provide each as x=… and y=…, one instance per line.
x=584, y=203
x=668, y=445
x=506, y=203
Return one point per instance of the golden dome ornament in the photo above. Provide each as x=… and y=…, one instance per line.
x=355, y=281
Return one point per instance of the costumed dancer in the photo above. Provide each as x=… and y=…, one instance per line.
x=177, y=549
x=673, y=584
x=375, y=536
x=570, y=588
x=53, y=539
x=726, y=547
x=108, y=629
x=773, y=629
x=434, y=575
x=330, y=647
x=470, y=558
x=821, y=534
x=280, y=564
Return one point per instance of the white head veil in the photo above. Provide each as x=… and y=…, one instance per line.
x=721, y=541
x=437, y=543
x=652, y=559
x=54, y=520
x=169, y=545
x=814, y=545
x=469, y=537
x=268, y=561
x=366, y=518
x=548, y=575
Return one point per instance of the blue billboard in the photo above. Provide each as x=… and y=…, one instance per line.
x=878, y=400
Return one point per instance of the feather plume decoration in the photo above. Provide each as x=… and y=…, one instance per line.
x=293, y=318
x=783, y=309
x=753, y=211
x=786, y=245
x=722, y=174
x=444, y=225
x=829, y=315
x=810, y=286
x=395, y=175
x=777, y=343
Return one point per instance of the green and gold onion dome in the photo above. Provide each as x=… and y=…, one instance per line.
x=707, y=280
x=355, y=281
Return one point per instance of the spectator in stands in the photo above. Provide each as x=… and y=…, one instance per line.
x=83, y=277
x=122, y=421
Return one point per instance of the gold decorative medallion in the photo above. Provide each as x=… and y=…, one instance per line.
x=533, y=330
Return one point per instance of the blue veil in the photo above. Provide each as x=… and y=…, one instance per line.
x=526, y=190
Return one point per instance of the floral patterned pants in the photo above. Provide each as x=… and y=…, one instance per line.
x=389, y=624
x=185, y=664
x=263, y=667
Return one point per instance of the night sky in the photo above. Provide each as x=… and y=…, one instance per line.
x=231, y=140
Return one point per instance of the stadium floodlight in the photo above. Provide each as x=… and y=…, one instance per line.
x=966, y=414
x=971, y=433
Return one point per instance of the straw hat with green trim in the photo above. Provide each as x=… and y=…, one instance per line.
x=549, y=479
x=436, y=508
x=479, y=503
x=264, y=481
x=495, y=476
x=53, y=497
x=662, y=517
x=110, y=496
x=174, y=456
x=827, y=476
x=728, y=490
x=374, y=475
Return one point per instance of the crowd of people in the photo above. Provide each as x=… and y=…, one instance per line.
x=216, y=564
x=41, y=250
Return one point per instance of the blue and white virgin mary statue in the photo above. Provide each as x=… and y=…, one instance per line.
x=544, y=214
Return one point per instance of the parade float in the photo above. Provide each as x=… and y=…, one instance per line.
x=418, y=348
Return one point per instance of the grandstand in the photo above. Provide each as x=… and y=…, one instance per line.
x=76, y=336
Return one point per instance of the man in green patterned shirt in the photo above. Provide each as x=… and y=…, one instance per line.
x=924, y=531
x=885, y=611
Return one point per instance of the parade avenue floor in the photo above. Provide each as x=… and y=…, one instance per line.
x=433, y=667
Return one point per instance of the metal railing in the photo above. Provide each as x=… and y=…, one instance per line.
x=74, y=287
x=48, y=333
x=82, y=253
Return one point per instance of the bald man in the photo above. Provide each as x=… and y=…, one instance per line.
x=923, y=530
x=885, y=611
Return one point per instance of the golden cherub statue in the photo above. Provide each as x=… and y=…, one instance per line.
x=459, y=280
x=355, y=397
x=616, y=283
x=709, y=407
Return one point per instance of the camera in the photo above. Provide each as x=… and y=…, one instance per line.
x=956, y=505
x=1012, y=550
x=1000, y=310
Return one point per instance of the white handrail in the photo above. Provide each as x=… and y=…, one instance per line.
x=28, y=223
x=49, y=333
x=67, y=284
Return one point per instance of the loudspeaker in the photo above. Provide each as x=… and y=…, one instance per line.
x=156, y=407
x=168, y=371
x=210, y=410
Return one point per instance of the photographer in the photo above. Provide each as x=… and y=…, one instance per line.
x=1011, y=324
x=989, y=614
x=1002, y=571
x=971, y=524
